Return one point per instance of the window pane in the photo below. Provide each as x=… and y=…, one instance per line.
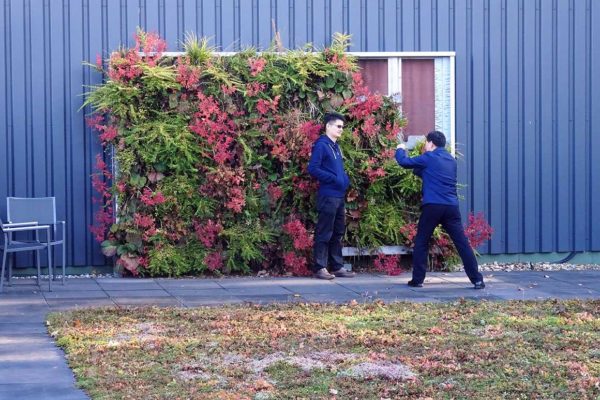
x=418, y=96
x=375, y=75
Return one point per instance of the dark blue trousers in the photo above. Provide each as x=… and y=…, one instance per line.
x=449, y=217
x=329, y=232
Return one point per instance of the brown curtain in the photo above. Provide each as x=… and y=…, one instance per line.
x=418, y=96
x=375, y=75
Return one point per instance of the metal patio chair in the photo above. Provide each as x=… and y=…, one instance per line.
x=11, y=245
x=43, y=211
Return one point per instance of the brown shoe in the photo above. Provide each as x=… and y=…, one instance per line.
x=342, y=273
x=323, y=274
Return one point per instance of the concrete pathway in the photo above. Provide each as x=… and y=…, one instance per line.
x=32, y=367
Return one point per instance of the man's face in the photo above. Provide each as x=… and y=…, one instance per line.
x=334, y=128
x=429, y=146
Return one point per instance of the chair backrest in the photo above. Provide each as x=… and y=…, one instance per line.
x=27, y=209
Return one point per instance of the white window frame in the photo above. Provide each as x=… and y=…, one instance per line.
x=395, y=76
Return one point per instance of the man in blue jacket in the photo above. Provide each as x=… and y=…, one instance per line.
x=437, y=168
x=327, y=165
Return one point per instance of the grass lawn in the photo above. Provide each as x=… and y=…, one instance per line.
x=460, y=350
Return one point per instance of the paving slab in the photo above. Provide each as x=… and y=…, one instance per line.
x=133, y=281
x=295, y=281
x=270, y=299
x=169, y=284
x=448, y=281
x=385, y=293
x=558, y=286
x=595, y=286
x=25, y=310
x=257, y=291
x=24, y=291
x=129, y=286
x=197, y=301
x=149, y=293
x=376, y=279
x=198, y=292
x=412, y=299
x=23, y=282
x=21, y=328
x=467, y=296
x=32, y=314
x=36, y=371
x=39, y=391
x=337, y=298
x=516, y=277
x=514, y=294
x=578, y=296
x=86, y=285
x=433, y=290
x=148, y=301
x=442, y=284
x=10, y=301
x=574, y=275
x=76, y=294
x=363, y=286
x=256, y=282
x=327, y=288
x=586, y=280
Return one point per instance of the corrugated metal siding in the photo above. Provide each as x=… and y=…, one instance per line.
x=526, y=97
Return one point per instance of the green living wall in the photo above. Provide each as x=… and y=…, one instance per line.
x=211, y=155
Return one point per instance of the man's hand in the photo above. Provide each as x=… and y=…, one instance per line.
x=400, y=137
x=401, y=146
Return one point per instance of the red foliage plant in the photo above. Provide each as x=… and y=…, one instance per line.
x=297, y=231
x=103, y=217
x=478, y=230
x=389, y=264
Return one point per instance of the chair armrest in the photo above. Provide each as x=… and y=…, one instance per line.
x=26, y=228
x=13, y=224
x=55, y=223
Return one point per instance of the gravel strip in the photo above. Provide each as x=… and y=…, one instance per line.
x=58, y=276
x=527, y=266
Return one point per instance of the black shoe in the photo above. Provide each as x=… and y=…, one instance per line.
x=412, y=283
x=342, y=273
x=479, y=285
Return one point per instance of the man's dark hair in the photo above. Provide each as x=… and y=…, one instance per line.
x=327, y=118
x=437, y=138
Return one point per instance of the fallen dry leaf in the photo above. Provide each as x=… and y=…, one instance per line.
x=262, y=384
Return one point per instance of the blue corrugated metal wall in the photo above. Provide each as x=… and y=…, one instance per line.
x=526, y=97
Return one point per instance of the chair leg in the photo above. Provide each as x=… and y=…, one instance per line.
x=64, y=262
x=53, y=275
x=49, y=268
x=3, y=265
x=39, y=265
x=11, y=260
